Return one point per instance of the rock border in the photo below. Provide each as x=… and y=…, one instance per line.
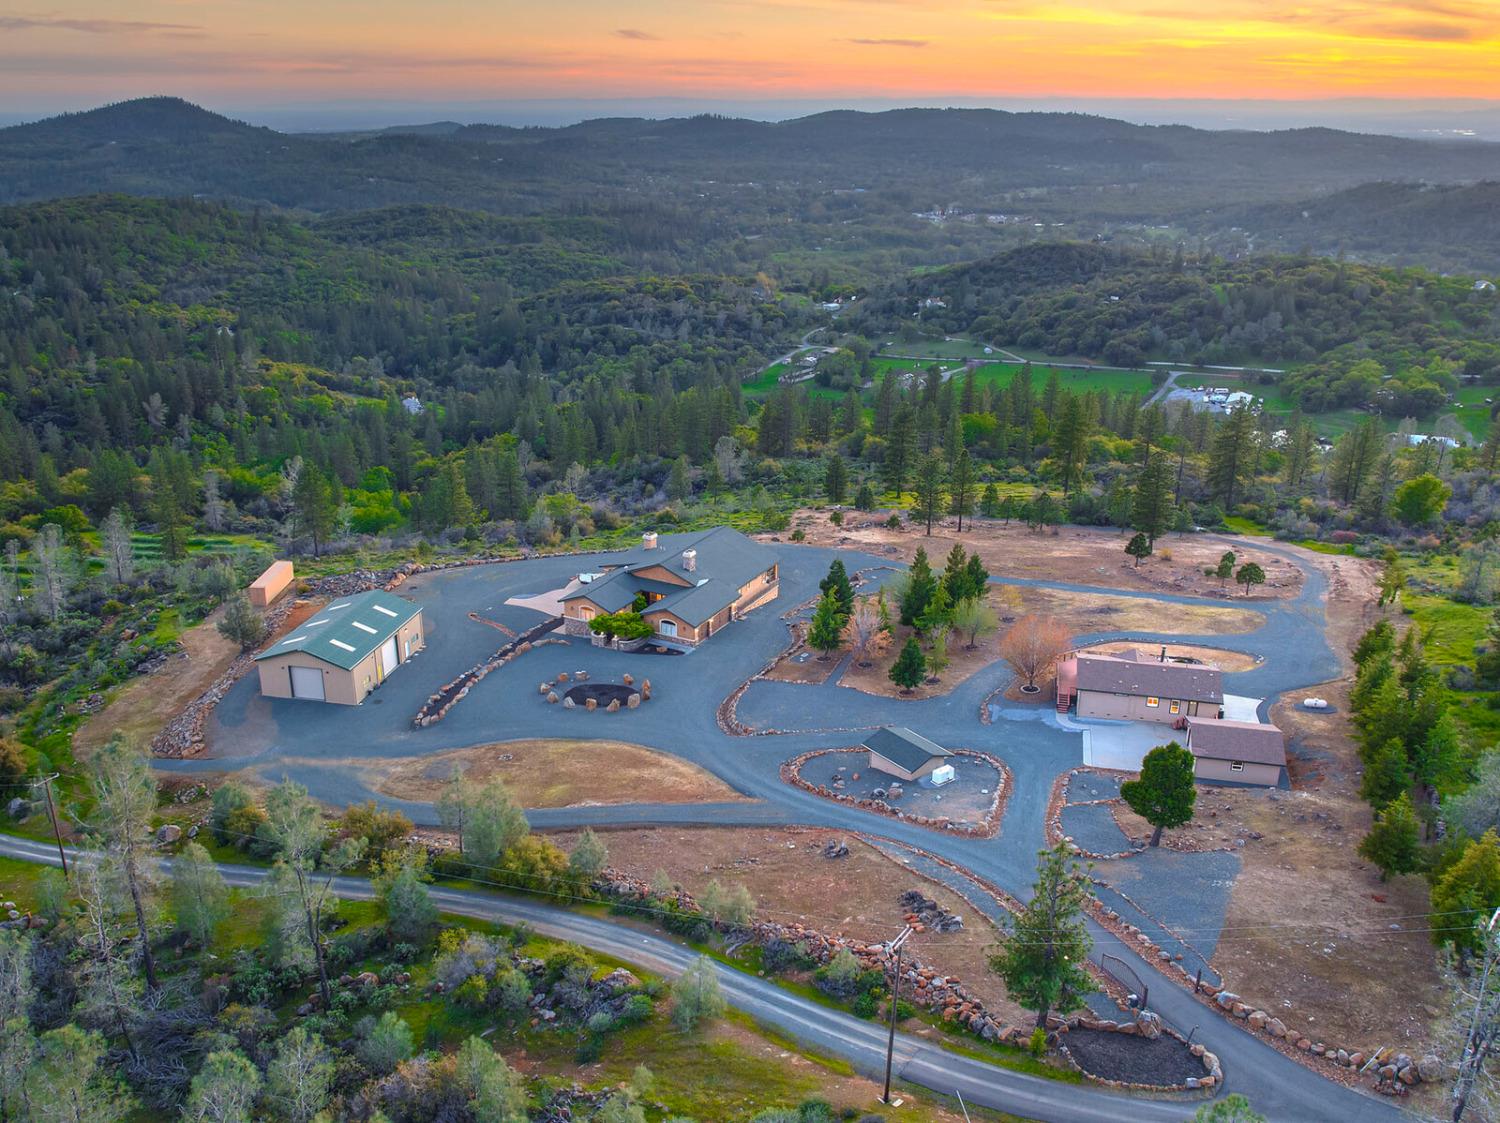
x=989, y=823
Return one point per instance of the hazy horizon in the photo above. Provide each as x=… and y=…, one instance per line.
x=1436, y=118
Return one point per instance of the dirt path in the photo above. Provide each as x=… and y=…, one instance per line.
x=552, y=774
x=146, y=703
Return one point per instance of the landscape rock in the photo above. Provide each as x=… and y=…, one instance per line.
x=1276, y=1027
x=1430, y=1067
x=168, y=833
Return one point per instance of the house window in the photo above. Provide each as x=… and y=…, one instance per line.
x=1153, y=702
x=1176, y=706
x=667, y=627
x=585, y=614
x=1237, y=766
x=652, y=598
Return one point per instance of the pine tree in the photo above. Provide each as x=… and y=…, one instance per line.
x=989, y=503
x=1229, y=459
x=1138, y=547
x=1043, y=960
x=314, y=509
x=961, y=488
x=910, y=667
x=1386, y=774
x=1151, y=513
x=836, y=479
x=1225, y=569
x=837, y=580
x=1250, y=574
x=1392, y=843
x=919, y=588
x=929, y=489
x=956, y=574
x=865, y=500
x=1166, y=792
x=826, y=632
x=1070, y=440
x=1470, y=886
x=899, y=448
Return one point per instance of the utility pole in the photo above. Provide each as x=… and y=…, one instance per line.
x=46, y=785
x=1482, y=1026
x=890, y=1045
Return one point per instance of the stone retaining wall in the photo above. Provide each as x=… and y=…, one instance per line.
x=452, y=692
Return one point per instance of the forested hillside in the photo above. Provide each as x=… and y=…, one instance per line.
x=1396, y=341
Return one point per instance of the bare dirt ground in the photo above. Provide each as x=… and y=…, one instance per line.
x=801, y=664
x=1309, y=921
x=147, y=702
x=1081, y=613
x=1212, y=656
x=792, y=882
x=553, y=774
x=1082, y=555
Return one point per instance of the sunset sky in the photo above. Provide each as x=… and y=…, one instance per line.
x=269, y=51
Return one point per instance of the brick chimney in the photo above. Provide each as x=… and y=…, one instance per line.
x=690, y=560
x=648, y=540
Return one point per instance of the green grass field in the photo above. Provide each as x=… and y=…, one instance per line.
x=1449, y=630
x=1079, y=381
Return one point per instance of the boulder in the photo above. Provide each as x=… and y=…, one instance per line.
x=168, y=833
x=18, y=808
x=1356, y=1059
x=568, y=703
x=1258, y=1019
x=1148, y=1025
x=562, y=676
x=1276, y=1027
x=591, y=704
x=613, y=707
x=552, y=698
x=1305, y=1044
x=1226, y=1000
x=1408, y=1075
x=627, y=680
x=1430, y=1067
x=633, y=701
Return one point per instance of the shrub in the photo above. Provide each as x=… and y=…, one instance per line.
x=380, y=829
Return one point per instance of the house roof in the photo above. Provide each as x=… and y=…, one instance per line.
x=1236, y=740
x=700, y=603
x=1186, y=681
x=347, y=630
x=903, y=748
x=727, y=560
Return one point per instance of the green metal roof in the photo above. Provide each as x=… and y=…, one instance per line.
x=347, y=630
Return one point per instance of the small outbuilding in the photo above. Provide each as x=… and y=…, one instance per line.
x=909, y=756
x=1237, y=752
x=343, y=652
x=276, y=580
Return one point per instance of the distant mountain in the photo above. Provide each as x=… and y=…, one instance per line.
x=842, y=170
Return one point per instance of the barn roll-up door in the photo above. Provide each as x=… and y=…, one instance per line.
x=307, y=682
x=388, y=656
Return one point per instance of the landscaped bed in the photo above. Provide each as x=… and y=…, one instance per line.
x=1161, y=1062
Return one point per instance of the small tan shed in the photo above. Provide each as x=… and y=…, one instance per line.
x=1237, y=752
x=271, y=584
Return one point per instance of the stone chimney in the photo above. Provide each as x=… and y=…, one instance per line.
x=648, y=540
x=690, y=560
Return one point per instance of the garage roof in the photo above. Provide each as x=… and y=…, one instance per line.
x=347, y=630
x=1236, y=740
x=904, y=748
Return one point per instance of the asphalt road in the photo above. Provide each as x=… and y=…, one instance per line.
x=1286, y=1097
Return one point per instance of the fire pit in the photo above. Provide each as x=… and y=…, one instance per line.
x=601, y=693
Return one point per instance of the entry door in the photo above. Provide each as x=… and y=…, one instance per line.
x=307, y=682
x=388, y=657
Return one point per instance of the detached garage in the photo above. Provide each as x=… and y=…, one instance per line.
x=343, y=652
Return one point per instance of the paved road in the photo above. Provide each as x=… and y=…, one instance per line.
x=861, y=1043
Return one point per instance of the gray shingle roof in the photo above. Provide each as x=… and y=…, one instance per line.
x=1236, y=740
x=1154, y=680
x=347, y=630
x=903, y=748
x=698, y=604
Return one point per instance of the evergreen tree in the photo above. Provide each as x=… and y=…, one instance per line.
x=865, y=500
x=1250, y=574
x=826, y=632
x=956, y=574
x=200, y=898
x=1391, y=844
x=929, y=489
x=1229, y=460
x=961, y=487
x=989, y=503
x=1166, y=792
x=1386, y=775
x=899, y=448
x=1468, y=890
x=1225, y=569
x=315, y=511
x=919, y=588
x=1070, y=440
x=837, y=581
x=910, y=667
x=836, y=479
x=1151, y=513
x=1138, y=547
x=1043, y=960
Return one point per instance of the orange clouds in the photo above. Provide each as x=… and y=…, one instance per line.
x=857, y=48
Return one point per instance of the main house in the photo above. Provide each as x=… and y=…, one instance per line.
x=343, y=652
x=689, y=585
x=1127, y=688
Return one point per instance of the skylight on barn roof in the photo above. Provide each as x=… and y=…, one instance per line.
x=293, y=639
x=382, y=608
x=341, y=644
x=365, y=628
x=317, y=623
x=336, y=607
